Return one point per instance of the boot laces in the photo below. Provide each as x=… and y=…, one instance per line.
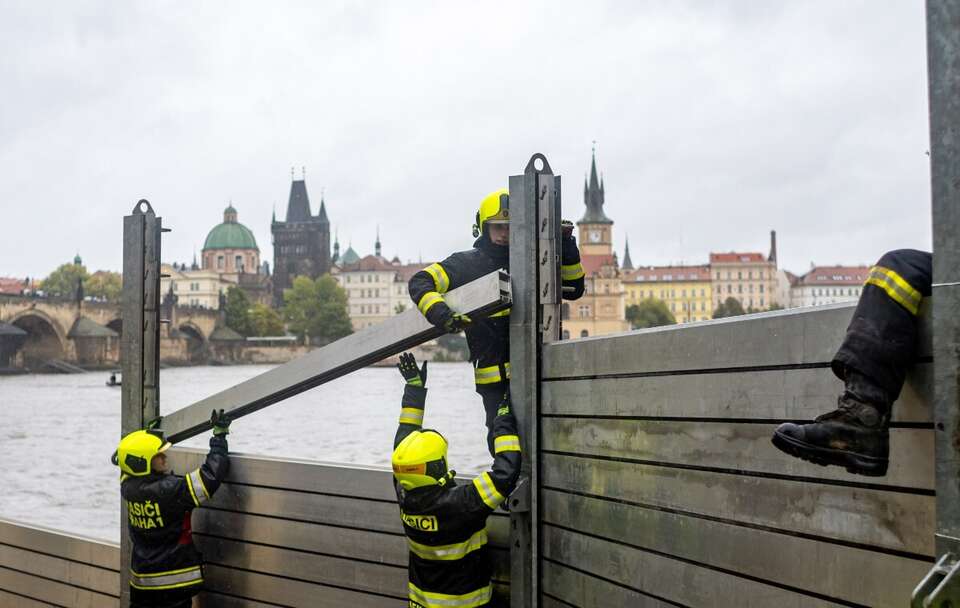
x=850, y=410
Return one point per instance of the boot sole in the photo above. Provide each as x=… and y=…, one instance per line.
x=858, y=464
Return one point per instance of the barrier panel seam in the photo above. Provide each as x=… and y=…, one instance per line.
x=55, y=580
x=305, y=581
x=613, y=582
x=60, y=557
x=923, y=426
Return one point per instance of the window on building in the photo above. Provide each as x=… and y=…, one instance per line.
x=683, y=293
x=584, y=334
x=749, y=274
x=718, y=275
x=761, y=302
x=219, y=262
x=237, y=262
x=565, y=312
x=583, y=310
x=750, y=287
x=739, y=288
x=703, y=293
x=673, y=307
x=565, y=335
x=761, y=287
x=348, y=278
x=703, y=306
x=739, y=274
x=729, y=288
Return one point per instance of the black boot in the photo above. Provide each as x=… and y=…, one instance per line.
x=855, y=436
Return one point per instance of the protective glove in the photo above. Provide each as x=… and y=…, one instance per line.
x=566, y=229
x=456, y=323
x=411, y=373
x=220, y=423
x=504, y=409
x=153, y=424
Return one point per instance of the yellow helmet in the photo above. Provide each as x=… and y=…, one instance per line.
x=421, y=460
x=494, y=209
x=137, y=449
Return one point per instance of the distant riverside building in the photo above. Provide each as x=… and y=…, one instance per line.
x=230, y=250
x=301, y=243
x=748, y=277
x=686, y=290
x=601, y=309
x=828, y=285
x=376, y=287
x=194, y=286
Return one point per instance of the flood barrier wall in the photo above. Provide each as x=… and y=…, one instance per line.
x=660, y=486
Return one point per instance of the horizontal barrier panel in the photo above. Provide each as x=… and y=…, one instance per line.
x=663, y=577
x=61, y=544
x=727, y=445
x=283, y=591
x=75, y=574
x=25, y=583
x=896, y=521
x=10, y=599
x=212, y=599
x=801, y=563
x=564, y=587
x=775, y=395
x=794, y=337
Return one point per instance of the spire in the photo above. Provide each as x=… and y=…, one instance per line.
x=193, y=266
x=336, y=247
x=376, y=245
x=593, y=195
x=322, y=215
x=627, y=262
x=273, y=218
x=773, y=247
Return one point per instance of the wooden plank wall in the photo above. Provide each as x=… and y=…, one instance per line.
x=40, y=567
x=294, y=533
x=660, y=486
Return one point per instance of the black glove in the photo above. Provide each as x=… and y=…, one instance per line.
x=566, y=229
x=220, y=423
x=504, y=408
x=456, y=323
x=411, y=373
x=154, y=424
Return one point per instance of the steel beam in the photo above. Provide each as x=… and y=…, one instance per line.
x=485, y=295
x=534, y=318
x=140, y=342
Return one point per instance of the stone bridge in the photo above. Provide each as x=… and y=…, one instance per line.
x=89, y=333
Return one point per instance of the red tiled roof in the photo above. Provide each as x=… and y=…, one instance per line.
x=668, y=274
x=834, y=275
x=733, y=257
x=11, y=285
x=592, y=263
x=371, y=263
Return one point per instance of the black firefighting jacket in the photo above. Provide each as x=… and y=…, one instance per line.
x=165, y=565
x=445, y=525
x=488, y=338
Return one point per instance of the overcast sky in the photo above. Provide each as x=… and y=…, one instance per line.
x=715, y=122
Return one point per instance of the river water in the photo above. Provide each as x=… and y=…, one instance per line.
x=57, y=433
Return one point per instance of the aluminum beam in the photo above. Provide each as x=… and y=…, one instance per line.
x=486, y=295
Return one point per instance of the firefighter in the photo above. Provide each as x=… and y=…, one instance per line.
x=165, y=567
x=488, y=338
x=445, y=523
x=880, y=344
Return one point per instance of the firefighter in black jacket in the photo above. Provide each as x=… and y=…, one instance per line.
x=880, y=344
x=445, y=523
x=165, y=567
x=487, y=338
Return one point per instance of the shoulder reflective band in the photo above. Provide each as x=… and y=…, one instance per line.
x=488, y=492
x=571, y=272
x=411, y=415
x=896, y=287
x=506, y=443
x=429, y=299
x=440, y=278
x=197, y=490
x=449, y=552
x=429, y=599
x=167, y=580
x=491, y=374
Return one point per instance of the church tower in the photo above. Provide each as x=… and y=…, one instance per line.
x=596, y=229
x=301, y=243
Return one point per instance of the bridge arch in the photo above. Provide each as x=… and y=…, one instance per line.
x=46, y=339
x=196, y=342
x=116, y=325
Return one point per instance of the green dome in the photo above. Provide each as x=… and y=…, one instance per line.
x=230, y=235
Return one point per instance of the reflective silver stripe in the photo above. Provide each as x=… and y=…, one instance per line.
x=199, y=491
x=411, y=415
x=506, y=443
x=442, y=600
x=570, y=272
x=452, y=551
x=167, y=580
x=487, y=491
x=896, y=287
x=440, y=279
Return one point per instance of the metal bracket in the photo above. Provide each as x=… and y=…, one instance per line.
x=940, y=588
x=519, y=499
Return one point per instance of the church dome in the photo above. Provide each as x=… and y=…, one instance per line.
x=231, y=234
x=350, y=257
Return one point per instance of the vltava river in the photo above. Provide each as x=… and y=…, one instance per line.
x=57, y=433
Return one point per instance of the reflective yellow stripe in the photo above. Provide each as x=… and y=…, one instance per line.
x=502, y=313
x=411, y=415
x=490, y=375
x=429, y=299
x=171, y=579
x=428, y=599
x=440, y=278
x=506, y=443
x=488, y=492
x=896, y=287
x=571, y=272
x=193, y=494
x=449, y=552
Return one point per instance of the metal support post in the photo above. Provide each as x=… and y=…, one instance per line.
x=140, y=342
x=941, y=587
x=534, y=318
x=486, y=295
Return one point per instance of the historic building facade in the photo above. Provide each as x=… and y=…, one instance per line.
x=686, y=290
x=828, y=285
x=749, y=278
x=301, y=243
x=601, y=309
